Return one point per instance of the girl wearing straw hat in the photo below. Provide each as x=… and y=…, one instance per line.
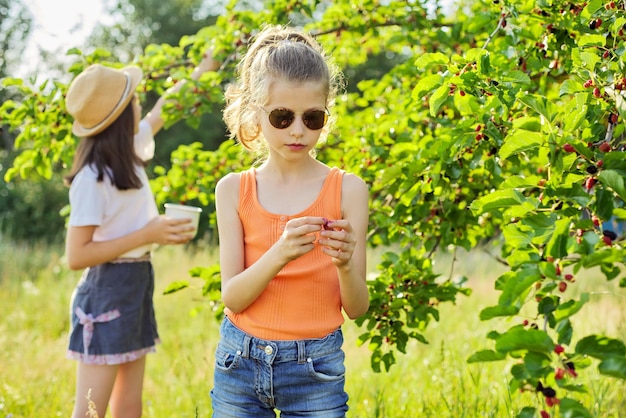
x=113, y=224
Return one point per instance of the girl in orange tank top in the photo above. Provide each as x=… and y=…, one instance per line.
x=292, y=237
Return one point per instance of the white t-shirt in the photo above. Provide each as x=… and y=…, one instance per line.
x=115, y=212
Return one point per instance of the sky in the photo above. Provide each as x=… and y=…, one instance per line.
x=58, y=25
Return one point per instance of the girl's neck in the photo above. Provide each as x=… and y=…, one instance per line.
x=287, y=171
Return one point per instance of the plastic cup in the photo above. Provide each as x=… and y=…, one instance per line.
x=175, y=211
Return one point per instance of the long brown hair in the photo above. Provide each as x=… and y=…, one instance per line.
x=111, y=153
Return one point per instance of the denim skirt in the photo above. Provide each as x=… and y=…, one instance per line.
x=299, y=378
x=112, y=314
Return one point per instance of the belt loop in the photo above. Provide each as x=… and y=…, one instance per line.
x=246, y=346
x=301, y=351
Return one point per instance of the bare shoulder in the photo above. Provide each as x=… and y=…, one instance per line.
x=354, y=185
x=228, y=186
x=355, y=202
x=354, y=196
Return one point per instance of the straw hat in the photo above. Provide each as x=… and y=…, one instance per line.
x=98, y=95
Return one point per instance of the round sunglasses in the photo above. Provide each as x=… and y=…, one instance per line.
x=281, y=118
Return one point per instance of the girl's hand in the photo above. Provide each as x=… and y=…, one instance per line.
x=299, y=237
x=208, y=62
x=163, y=230
x=338, y=241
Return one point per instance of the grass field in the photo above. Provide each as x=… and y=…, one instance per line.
x=430, y=381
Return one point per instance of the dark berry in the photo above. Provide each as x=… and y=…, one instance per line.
x=608, y=233
x=548, y=392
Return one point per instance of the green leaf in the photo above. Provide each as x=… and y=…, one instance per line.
x=537, y=104
x=426, y=85
x=567, y=309
x=516, y=77
x=517, y=339
x=604, y=203
x=587, y=60
x=12, y=82
x=613, y=180
x=570, y=87
x=536, y=363
x=175, y=286
x=608, y=255
x=515, y=237
x=591, y=40
x=74, y=51
x=438, y=98
x=496, y=311
x=527, y=123
x=527, y=412
x=497, y=200
x=486, y=355
x=516, y=287
x=557, y=246
x=592, y=7
x=575, y=110
x=613, y=366
x=520, y=141
x=600, y=347
x=429, y=59
x=570, y=408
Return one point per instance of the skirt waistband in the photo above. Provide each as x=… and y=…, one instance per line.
x=143, y=258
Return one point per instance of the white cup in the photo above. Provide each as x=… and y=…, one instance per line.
x=175, y=211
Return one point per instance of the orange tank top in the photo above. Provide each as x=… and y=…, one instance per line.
x=303, y=300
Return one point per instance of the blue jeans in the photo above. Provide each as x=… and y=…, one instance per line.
x=302, y=378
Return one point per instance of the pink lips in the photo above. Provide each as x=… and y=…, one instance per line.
x=296, y=147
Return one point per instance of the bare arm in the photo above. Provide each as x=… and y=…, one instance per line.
x=154, y=115
x=241, y=287
x=82, y=251
x=346, y=244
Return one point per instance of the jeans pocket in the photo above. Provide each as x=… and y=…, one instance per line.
x=327, y=368
x=225, y=360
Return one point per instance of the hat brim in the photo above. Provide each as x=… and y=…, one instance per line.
x=136, y=75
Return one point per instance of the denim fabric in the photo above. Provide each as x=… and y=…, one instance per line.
x=255, y=377
x=103, y=289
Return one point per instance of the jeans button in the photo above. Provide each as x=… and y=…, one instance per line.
x=268, y=350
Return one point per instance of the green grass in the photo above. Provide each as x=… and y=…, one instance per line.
x=432, y=380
